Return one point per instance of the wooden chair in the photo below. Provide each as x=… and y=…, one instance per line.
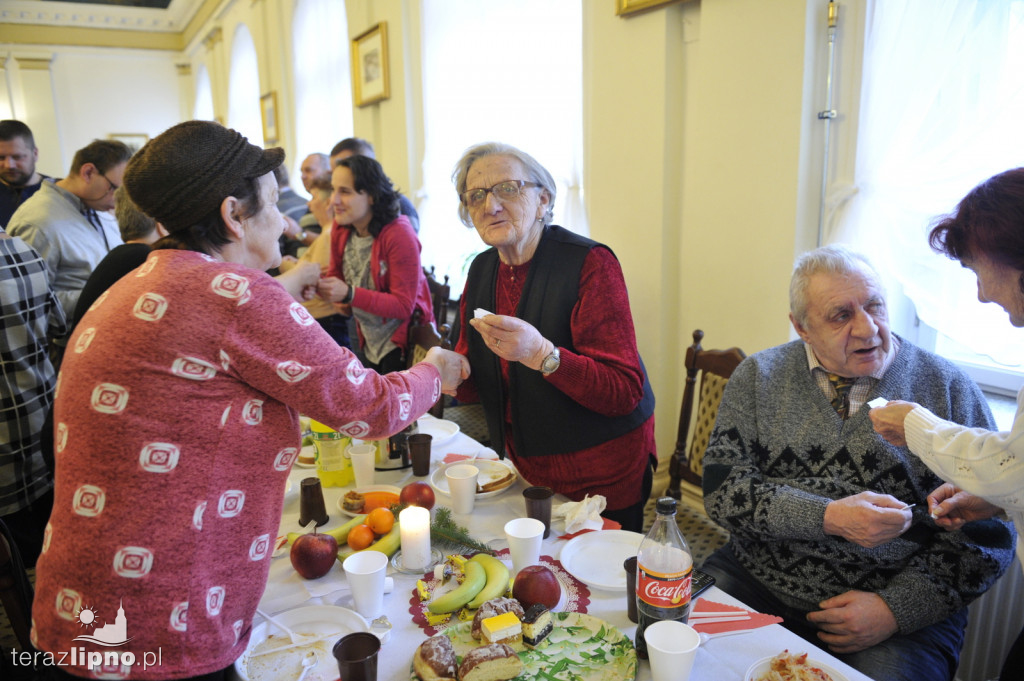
x=714, y=368
x=422, y=337
x=15, y=590
x=440, y=295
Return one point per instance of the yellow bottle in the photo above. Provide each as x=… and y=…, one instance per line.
x=333, y=469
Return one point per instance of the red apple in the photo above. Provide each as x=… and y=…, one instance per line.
x=314, y=554
x=417, y=494
x=537, y=584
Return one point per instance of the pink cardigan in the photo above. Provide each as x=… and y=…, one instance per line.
x=176, y=426
x=396, y=272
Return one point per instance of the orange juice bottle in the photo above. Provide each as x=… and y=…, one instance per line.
x=333, y=469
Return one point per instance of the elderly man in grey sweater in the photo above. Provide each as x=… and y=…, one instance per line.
x=829, y=523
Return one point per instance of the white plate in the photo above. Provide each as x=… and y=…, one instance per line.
x=439, y=482
x=313, y=619
x=442, y=431
x=362, y=490
x=308, y=449
x=595, y=558
x=761, y=667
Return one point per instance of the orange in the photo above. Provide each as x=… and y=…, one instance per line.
x=360, y=537
x=380, y=520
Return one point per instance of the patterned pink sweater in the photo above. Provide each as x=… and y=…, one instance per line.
x=176, y=426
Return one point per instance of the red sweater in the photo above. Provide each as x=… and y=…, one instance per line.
x=603, y=375
x=396, y=272
x=176, y=426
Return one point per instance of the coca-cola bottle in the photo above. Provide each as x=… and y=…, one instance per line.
x=663, y=569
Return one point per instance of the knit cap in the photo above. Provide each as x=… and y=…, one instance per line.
x=183, y=174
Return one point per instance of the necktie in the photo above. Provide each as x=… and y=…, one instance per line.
x=841, y=402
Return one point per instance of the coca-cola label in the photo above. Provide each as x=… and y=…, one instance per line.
x=663, y=591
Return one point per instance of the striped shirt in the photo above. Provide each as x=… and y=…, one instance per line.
x=861, y=387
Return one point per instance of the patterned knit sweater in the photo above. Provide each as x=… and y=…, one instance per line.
x=779, y=454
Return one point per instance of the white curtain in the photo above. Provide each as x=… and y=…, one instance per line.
x=203, y=110
x=942, y=104
x=500, y=71
x=244, y=87
x=323, y=78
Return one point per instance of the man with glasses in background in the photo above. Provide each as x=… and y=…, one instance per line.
x=61, y=223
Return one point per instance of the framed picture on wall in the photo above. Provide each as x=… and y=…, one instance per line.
x=370, y=65
x=268, y=111
x=627, y=7
x=134, y=140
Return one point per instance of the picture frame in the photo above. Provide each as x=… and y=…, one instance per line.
x=625, y=8
x=133, y=140
x=268, y=113
x=370, y=72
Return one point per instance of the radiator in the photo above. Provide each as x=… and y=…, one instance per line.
x=994, y=623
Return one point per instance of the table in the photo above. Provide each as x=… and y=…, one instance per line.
x=719, y=660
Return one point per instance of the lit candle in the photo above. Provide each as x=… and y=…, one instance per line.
x=414, y=524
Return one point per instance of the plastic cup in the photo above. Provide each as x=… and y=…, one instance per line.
x=419, y=450
x=311, y=502
x=366, y=571
x=629, y=565
x=538, y=505
x=524, y=537
x=462, y=486
x=357, y=656
x=671, y=649
x=363, y=458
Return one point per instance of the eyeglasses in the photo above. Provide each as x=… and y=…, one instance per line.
x=509, y=190
x=113, y=187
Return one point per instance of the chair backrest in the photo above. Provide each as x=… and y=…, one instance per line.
x=422, y=337
x=440, y=294
x=711, y=369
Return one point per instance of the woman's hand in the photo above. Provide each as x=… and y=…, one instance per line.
x=952, y=507
x=513, y=339
x=301, y=280
x=888, y=421
x=332, y=289
x=453, y=367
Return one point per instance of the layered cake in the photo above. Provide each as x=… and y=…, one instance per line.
x=536, y=626
x=504, y=628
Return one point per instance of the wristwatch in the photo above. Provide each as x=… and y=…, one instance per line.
x=551, y=362
x=302, y=236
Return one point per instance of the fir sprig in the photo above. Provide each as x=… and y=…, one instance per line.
x=446, y=532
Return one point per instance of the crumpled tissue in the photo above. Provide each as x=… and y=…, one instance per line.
x=581, y=515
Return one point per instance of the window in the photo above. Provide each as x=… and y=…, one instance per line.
x=203, y=110
x=941, y=105
x=244, y=88
x=498, y=71
x=323, y=79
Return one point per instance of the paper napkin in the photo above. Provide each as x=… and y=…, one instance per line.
x=756, y=619
x=485, y=453
x=581, y=515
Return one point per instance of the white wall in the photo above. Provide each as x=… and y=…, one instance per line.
x=88, y=93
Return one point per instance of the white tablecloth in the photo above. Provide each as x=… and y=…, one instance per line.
x=719, y=660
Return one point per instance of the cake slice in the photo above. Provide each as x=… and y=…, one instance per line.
x=494, y=662
x=504, y=628
x=536, y=626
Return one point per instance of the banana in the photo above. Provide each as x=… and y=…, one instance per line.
x=476, y=578
x=388, y=545
x=497, y=579
x=339, y=533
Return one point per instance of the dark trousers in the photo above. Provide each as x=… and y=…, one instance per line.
x=632, y=517
x=28, y=525
x=393, y=361
x=931, y=653
x=1013, y=667
x=336, y=325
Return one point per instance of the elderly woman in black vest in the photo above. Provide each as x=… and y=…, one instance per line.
x=554, y=360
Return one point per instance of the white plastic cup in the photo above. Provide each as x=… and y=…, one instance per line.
x=524, y=537
x=366, y=571
x=363, y=459
x=462, y=486
x=671, y=649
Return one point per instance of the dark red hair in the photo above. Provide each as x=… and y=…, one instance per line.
x=988, y=222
